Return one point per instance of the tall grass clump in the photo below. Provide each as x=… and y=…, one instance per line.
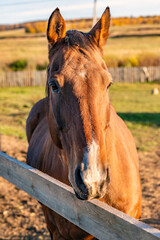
x=19, y=65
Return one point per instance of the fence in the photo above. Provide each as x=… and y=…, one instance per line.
x=23, y=79
x=95, y=217
x=38, y=78
x=135, y=74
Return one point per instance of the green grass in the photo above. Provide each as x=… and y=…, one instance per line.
x=135, y=97
x=133, y=102
x=140, y=110
x=15, y=106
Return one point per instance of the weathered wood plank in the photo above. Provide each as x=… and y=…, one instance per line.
x=95, y=217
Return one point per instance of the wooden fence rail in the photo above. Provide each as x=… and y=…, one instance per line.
x=38, y=78
x=95, y=217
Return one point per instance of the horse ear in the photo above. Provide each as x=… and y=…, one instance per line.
x=56, y=27
x=100, y=31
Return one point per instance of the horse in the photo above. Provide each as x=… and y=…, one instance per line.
x=75, y=134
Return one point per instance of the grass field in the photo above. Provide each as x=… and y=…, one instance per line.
x=133, y=102
x=141, y=112
x=15, y=106
x=16, y=45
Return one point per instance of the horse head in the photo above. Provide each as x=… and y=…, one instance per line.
x=79, y=107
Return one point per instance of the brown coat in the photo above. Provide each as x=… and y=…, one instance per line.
x=75, y=134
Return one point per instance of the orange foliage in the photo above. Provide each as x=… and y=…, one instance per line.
x=36, y=27
x=41, y=26
x=135, y=21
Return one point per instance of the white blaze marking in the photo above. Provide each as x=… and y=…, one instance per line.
x=82, y=74
x=91, y=173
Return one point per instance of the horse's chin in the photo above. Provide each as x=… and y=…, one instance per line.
x=82, y=196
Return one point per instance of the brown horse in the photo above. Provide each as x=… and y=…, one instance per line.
x=75, y=134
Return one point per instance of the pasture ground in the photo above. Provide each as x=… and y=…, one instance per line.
x=20, y=215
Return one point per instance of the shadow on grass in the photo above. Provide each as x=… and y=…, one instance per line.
x=149, y=119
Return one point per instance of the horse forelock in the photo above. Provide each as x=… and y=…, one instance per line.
x=76, y=38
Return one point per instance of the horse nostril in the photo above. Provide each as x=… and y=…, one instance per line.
x=79, y=181
x=108, y=176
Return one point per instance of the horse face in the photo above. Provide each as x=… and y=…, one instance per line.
x=79, y=109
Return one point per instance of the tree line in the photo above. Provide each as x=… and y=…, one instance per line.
x=40, y=26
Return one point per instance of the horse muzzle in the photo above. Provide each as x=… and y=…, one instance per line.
x=87, y=188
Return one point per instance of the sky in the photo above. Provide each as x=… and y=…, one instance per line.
x=18, y=11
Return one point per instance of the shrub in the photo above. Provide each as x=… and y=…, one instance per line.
x=128, y=62
x=133, y=61
x=18, y=65
x=41, y=67
x=124, y=63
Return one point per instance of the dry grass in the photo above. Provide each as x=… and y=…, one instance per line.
x=12, y=33
x=132, y=45
x=143, y=51
x=16, y=45
x=34, y=50
x=142, y=29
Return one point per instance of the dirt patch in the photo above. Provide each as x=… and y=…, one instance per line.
x=21, y=216
x=150, y=180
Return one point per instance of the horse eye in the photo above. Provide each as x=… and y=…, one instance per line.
x=109, y=85
x=55, y=87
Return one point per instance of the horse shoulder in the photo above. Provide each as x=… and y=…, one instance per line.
x=123, y=137
x=124, y=191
